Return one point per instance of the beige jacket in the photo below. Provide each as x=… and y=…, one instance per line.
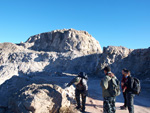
x=104, y=84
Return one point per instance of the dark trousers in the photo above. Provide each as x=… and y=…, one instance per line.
x=125, y=99
x=109, y=105
x=130, y=101
x=83, y=95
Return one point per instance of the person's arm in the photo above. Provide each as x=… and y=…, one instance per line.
x=123, y=83
x=124, y=89
x=71, y=82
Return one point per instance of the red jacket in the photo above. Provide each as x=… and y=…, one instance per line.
x=123, y=81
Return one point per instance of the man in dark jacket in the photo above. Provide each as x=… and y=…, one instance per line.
x=81, y=89
x=129, y=92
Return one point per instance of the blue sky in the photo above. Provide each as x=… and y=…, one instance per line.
x=111, y=22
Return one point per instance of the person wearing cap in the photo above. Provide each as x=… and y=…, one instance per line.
x=81, y=89
x=108, y=100
x=129, y=94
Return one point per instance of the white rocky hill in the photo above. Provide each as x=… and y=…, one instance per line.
x=68, y=51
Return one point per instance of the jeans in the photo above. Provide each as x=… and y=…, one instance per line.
x=109, y=105
x=83, y=95
x=130, y=101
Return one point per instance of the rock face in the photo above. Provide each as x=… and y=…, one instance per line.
x=68, y=51
x=137, y=61
x=20, y=66
x=112, y=54
x=64, y=41
x=59, y=51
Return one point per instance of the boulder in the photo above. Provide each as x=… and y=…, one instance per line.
x=39, y=98
x=37, y=94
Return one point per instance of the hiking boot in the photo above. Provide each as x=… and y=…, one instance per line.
x=78, y=107
x=83, y=110
x=123, y=107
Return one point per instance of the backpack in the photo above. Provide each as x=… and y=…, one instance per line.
x=81, y=80
x=82, y=85
x=83, y=75
x=136, y=89
x=114, y=87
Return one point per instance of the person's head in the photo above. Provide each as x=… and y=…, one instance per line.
x=126, y=72
x=107, y=69
x=83, y=75
x=129, y=73
x=123, y=70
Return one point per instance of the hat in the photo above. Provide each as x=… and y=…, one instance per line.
x=107, y=68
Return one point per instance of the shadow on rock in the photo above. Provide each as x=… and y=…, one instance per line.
x=22, y=94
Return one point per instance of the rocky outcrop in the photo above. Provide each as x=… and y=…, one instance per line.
x=59, y=51
x=113, y=54
x=137, y=61
x=63, y=41
x=67, y=51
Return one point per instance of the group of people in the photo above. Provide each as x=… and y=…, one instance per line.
x=126, y=85
x=108, y=100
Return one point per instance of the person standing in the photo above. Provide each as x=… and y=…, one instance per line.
x=124, y=79
x=129, y=92
x=81, y=89
x=108, y=100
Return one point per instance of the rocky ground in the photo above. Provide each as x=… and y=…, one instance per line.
x=94, y=101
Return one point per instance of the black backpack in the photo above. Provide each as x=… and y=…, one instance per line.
x=83, y=85
x=114, y=87
x=136, y=89
x=83, y=75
